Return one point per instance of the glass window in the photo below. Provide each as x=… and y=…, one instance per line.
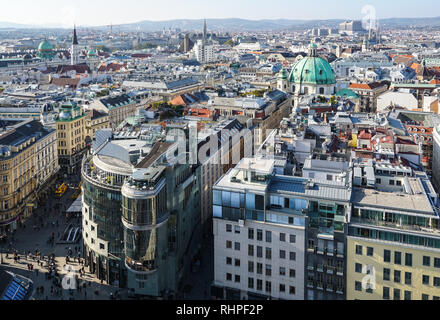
x=408, y=295
x=408, y=259
x=386, y=293
x=386, y=274
x=358, y=268
x=282, y=237
x=217, y=211
x=250, y=266
x=217, y=198
x=427, y=261
x=269, y=236
x=226, y=198
x=259, y=268
x=260, y=235
x=292, y=238
x=251, y=234
x=370, y=251
x=397, y=274
x=228, y=228
x=282, y=254
x=292, y=256
x=359, y=250
x=397, y=257
x=282, y=271
x=408, y=278
x=358, y=286
x=387, y=256
x=425, y=280
x=436, y=282
x=235, y=200
x=396, y=294
x=250, y=283
x=250, y=250
x=250, y=201
x=437, y=262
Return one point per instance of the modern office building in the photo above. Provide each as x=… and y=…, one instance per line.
x=277, y=236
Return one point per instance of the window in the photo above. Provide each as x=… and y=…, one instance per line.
x=398, y=183
x=268, y=270
x=408, y=259
x=425, y=297
x=268, y=236
x=436, y=282
x=292, y=290
x=370, y=251
x=358, y=268
x=237, y=279
x=228, y=228
x=250, y=283
x=386, y=293
x=397, y=274
x=259, y=268
x=292, y=238
x=282, y=271
x=251, y=266
x=425, y=280
x=237, y=262
x=268, y=286
x=359, y=250
x=408, y=295
x=282, y=254
x=435, y=298
x=250, y=250
x=228, y=244
x=228, y=261
x=259, y=285
x=282, y=237
x=260, y=235
x=397, y=257
x=292, y=273
x=387, y=256
x=237, y=229
x=101, y=246
x=259, y=252
x=437, y=262
x=329, y=177
x=292, y=256
x=251, y=234
x=237, y=246
x=228, y=277
x=282, y=288
x=396, y=294
x=378, y=181
x=408, y=278
x=386, y=274
x=427, y=261
x=268, y=253
x=358, y=286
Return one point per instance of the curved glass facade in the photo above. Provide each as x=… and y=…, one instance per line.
x=143, y=218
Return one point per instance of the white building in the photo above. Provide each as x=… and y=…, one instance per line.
x=204, y=53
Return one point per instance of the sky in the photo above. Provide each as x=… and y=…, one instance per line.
x=104, y=12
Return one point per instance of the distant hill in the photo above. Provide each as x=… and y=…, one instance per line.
x=235, y=24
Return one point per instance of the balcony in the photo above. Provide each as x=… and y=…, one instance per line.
x=320, y=251
x=311, y=268
x=329, y=288
x=139, y=268
x=330, y=253
x=340, y=290
x=340, y=255
x=311, y=250
x=320, y=268
x=310, y=285
x=330, y=270
x=340, y=272
x=395, y=225
x=320, y=286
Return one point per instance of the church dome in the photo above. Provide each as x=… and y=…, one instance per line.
x=283, y=75
x=45, y=46
x=91, y=53
x=312, y=70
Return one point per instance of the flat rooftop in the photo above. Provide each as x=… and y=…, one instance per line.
x=416, y=204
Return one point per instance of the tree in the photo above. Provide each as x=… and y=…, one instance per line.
x=103, y=48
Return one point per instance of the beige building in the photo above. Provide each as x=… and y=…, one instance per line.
x=118, y=108
x=18, y=170
x=71, y=133
x=96, y=120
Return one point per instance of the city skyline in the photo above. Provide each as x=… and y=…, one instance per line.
x=83, y=13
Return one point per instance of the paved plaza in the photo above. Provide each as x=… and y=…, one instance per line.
x=50, y=220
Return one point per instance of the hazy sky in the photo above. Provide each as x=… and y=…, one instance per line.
x=103, y=12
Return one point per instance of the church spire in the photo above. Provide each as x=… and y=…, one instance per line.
x=204, y=31
x=75, y=38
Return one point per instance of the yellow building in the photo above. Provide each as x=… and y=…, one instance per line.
x=18, y=170
x=71, y=133
x=401, y=272
x=393, y=237
x=96, y=120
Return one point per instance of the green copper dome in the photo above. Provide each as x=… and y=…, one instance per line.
x=312, y=70
x=283, y=75
x=91, y=53
x=45, y=46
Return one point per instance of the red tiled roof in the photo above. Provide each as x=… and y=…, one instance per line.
x=366, y=86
